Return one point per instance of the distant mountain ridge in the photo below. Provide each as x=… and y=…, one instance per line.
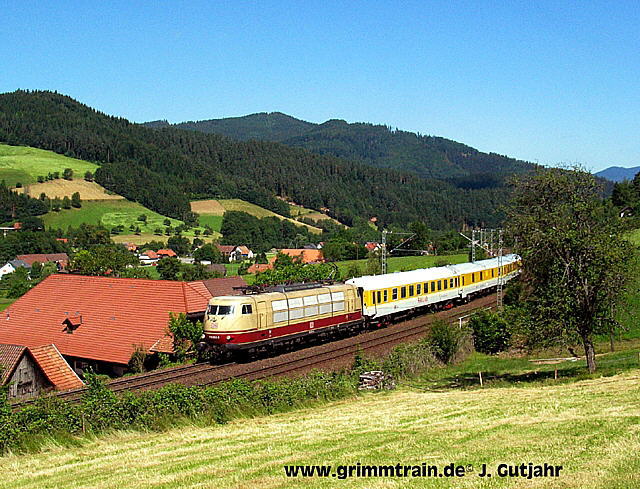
x=374, y=145
x=618, y=173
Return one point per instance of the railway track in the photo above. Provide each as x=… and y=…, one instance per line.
x=305, y=359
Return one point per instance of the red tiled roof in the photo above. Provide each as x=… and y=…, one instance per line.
x=244, y=250
x=224, y=286
x=117, y=313
x=259, y=267
x=225, y=248
x=150, y=254
x=63, y=258
x=10, y=355
x=167, y=252
x=308, y=256
x=56, y=368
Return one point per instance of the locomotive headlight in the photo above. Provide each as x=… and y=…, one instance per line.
x=228, y=338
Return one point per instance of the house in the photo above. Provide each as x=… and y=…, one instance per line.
x=259, y=267
x=226, y=250
x=168, y=253
x=243, y=253
x=132, y=247
x=99, y=322
x=148, y=257
x=60, y=259
x=11, y=266
x=304, y=255
x=29, y=371
x=372, y=246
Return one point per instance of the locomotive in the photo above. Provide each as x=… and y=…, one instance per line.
x=285, y=316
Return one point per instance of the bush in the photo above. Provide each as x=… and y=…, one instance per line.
x=445, y=340
x=490, y=332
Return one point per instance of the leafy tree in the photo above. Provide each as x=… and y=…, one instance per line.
x=574, y=257
x=490, y=332
x=17, y=283
x=66, y=202
x=179, y=244
x=87, y=235
x=186, y=334
x=142, y=218
x=88, y=176
x=56, y=204
x=75, y=200
x=32, y=224
x=18, y=184
x=168, y=268
x=374, y=264
x=167, y=222
x=36, y=270
x=197, y=271
x=103, y=260
x=40, y=179
x=208, y=252
x=67, y=174
x=56, y=175
x=157, y=231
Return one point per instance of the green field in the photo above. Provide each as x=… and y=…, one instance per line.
x=214, y=222
x=405, y=263
x=589, y=427
x=110, y=214
x=24, y=164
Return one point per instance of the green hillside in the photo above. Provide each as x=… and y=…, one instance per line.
x=590, y=428
x=373, y=144
x=25, y=164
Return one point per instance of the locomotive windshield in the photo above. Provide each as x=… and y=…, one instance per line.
x=220, y=310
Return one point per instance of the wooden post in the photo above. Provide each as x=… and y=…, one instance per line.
x=480, y=375
x=555, y=374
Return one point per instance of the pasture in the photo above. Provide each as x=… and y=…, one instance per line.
x=24, y=164
x=589, y=427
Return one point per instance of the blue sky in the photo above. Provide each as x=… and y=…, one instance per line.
x=553, y=82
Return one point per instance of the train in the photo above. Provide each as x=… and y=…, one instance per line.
x=284, y=317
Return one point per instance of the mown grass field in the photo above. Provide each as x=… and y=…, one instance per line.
x=300, y=211
x=589, y=427
x=24, y=164
x=65, y=188
x=210, y=209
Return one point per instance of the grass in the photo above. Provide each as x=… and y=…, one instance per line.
x=65, y=188
x=405, y=263
x=4, y=303
x=209, y=209
x=24, y=164
x=215, y=222
x=589, y=427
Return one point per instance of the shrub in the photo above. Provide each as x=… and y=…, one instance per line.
x=445, y=340
x=490, y=332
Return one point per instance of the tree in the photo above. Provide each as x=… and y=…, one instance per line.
x=179, y=244
x=186, y=334
x=142, y=218
x=67, y=174
x=208, y=252
x=88, y=176
x=66, y=203
x=573, y=254
x=111, y=260
x=168, y=268
x=56, y=204
x=75, y=200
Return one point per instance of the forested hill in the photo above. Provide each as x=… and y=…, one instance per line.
x=375, y=145
x=164, y=168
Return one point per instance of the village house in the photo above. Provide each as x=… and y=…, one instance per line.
x=235, y=253
x=372, y=246
x=148, y=257
x=11, y=266
x=303, y=255
x=259, y=267
x=30, y=371
x=98, y=322
x=60, y=259
x=168, y=253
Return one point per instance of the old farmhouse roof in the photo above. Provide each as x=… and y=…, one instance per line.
x=224, y=286
x=306, y=256
x=99, y=318
x=61, y=258
x=10, y=355
x=55, y=367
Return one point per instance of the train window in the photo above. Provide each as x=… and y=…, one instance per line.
x=493, y=272
x=418, y=289
x=246, y=309
x=403, y=292
x=384, y=295
x=439, y=284
x=394, y=295
x=473, y=277
x=433, y=286
x=410, y=290
x=445, y=284
x=378, y=297
x=220, y=310
x=451, y=283
x=373, y=297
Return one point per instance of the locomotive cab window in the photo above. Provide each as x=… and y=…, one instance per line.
x=220, y=310
x=246, y=309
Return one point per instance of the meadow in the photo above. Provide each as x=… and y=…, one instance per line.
x=405, y=263
x=589, y=427
x=24, y=164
